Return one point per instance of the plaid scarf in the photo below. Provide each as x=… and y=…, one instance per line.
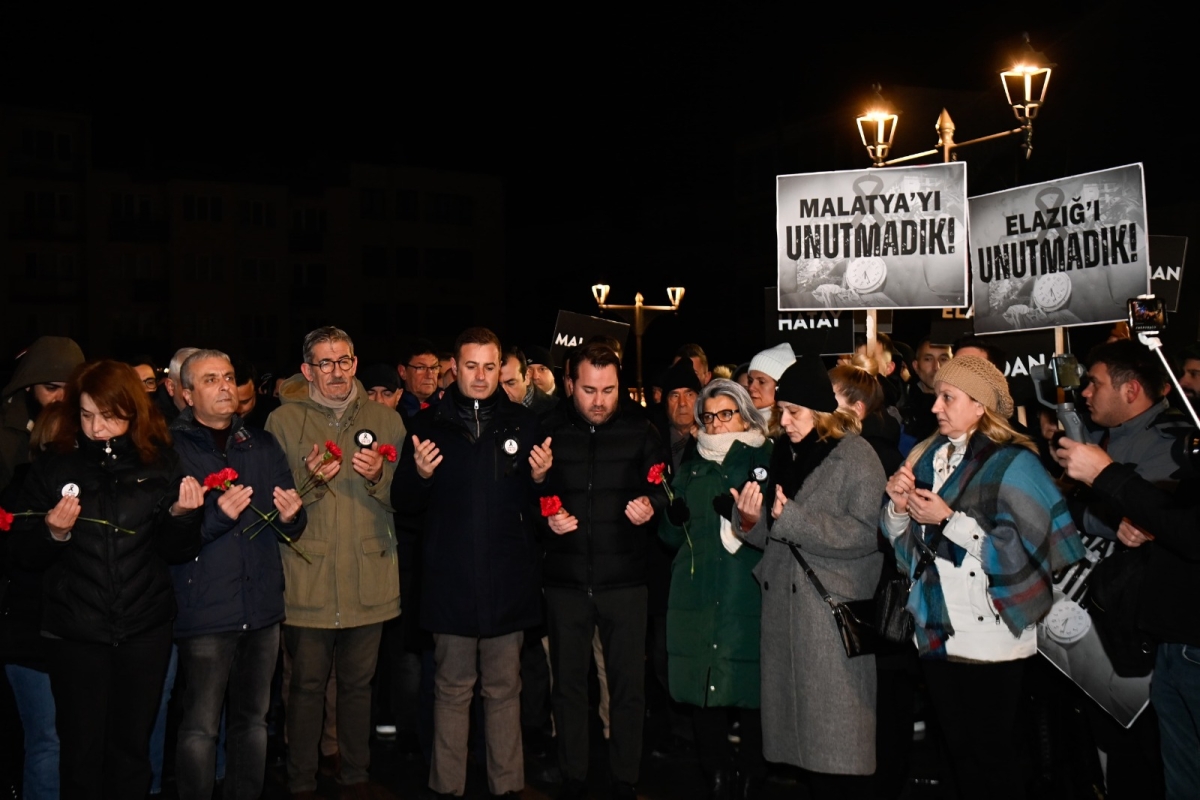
x=1029, y=530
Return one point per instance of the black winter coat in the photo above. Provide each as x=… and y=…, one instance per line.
x=103, y=585
x=597, y=470
x=1167, y=603
x=236, y=582
x=479, y=555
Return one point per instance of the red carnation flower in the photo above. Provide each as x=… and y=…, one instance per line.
x=388, y=452
x=332, y=451
x=656, y=474
x=221, y=479
x=551, y=506
x=6, y=520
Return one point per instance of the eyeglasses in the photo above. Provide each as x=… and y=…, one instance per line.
x=724, y=415
x=150, y=383
x=422, y=368
x=326, y=365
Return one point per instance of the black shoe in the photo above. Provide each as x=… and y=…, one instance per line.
x=721, y=785
x=572, y=789
x=623, y=791
x=749, y=787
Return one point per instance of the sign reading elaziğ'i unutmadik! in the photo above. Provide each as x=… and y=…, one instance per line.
x=873, y=238
x=1065, y=252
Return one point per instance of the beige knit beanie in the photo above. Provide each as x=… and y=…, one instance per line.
x=980, y=379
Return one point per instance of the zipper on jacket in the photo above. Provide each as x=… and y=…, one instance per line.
x=478, y=430
x=591, y=475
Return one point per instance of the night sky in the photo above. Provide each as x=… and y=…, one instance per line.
x=616, y=135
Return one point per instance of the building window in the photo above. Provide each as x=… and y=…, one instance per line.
x=257, y=214
x=206, y=268
x=373, y=204
x=449, y=209
x=406, y=205
x=202, y=208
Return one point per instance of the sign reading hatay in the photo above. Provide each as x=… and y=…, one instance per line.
x=874, y=238
x=1064, y=252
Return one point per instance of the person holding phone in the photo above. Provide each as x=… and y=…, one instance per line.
x=979, y=527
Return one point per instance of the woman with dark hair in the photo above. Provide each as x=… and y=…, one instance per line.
x=714, y=608
x=109, y=508
x=980, y=528
x=821, y=506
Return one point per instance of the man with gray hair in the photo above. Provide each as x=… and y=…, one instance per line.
x=230, y=597
x=169, y=397
x=346, y=585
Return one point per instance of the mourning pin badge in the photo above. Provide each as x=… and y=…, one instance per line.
x=70, y=490
x=365, y=438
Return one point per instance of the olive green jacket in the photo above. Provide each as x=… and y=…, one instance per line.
x=714, y=609
x=353, y=579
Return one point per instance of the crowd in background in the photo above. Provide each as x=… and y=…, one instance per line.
x=468, y=551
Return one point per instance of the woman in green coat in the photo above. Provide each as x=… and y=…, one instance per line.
x=715, y=605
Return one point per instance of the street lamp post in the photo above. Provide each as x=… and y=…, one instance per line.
x=1025, y=88
x=639, y=315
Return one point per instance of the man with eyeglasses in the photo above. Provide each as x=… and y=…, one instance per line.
x=420, y=375
x=595, y=565
x=341, y=582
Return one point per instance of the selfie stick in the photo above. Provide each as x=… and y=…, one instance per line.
x=1151, y=340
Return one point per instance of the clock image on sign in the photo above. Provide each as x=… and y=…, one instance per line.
x=1051, y=292
x=1067, y=622
x=867, y=274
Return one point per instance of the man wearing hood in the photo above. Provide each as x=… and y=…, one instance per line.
x=38, y=380
x=345, y=586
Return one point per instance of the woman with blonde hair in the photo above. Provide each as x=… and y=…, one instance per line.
x=980, y=528
x=825, y=483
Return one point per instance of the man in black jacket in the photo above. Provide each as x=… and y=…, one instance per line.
x=230, y=596
x=595, y=566
x=471, y=467
x=1169, y=525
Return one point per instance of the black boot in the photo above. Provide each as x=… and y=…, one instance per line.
x=723, y=783
x=749, y=787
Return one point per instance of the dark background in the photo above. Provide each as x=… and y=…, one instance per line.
x=637, y=147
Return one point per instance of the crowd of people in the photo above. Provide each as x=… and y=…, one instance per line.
x=444, y=550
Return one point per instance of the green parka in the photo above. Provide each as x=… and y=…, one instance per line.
x=713, y=614
x=353, y=579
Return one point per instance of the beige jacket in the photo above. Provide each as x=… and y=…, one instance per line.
x=351, y=540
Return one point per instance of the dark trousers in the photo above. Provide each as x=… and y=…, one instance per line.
x=312, y=651
x=714, y=749
x=230, y=670
x=397, y=680
x=572, y=618
x=976, y=709
x=106, y=699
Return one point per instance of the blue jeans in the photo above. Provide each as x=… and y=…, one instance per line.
x=35, y=705
x=1175, y=693
x=231, y=670
x=158, y=737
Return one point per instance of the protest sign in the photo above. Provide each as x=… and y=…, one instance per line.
x=572, y=330
x=1166, y=268
x=1068, y=640
x=874, y=238
x=824, y=333
x=1065, y=252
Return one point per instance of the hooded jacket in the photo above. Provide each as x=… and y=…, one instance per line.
x=479, y=556
x=50, y=359
x=103, y=585
x=353, y=579
x=236, y=581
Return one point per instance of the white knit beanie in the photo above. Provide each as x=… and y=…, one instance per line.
x=773, y=361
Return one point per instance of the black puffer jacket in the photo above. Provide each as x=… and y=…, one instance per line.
x=103, y=585
x=597, y=470
x=479, y=553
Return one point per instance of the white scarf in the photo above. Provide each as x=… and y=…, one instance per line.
x=714, y=447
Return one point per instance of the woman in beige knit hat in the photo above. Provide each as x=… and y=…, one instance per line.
x=979, y=527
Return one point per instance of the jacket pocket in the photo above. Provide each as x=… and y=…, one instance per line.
x=307, y=585
x=378, y=573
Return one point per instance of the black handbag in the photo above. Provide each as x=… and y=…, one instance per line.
x=1113, y=601
x=855, y=620
x=893, y=622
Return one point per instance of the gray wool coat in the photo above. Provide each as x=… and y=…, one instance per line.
x=818, y=706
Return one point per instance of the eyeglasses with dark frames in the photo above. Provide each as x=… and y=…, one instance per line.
x=326, y=365
x=724, y=415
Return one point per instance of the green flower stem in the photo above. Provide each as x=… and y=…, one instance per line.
x=687, y=534
x=81, y=519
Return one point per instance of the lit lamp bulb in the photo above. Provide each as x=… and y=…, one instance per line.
x=876, y=128
x=675, y=295
x=600, y=292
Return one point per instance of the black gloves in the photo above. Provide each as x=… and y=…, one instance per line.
x=678, y=513
x=723, y=505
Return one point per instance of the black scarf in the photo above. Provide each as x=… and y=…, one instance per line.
x=792, y=463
